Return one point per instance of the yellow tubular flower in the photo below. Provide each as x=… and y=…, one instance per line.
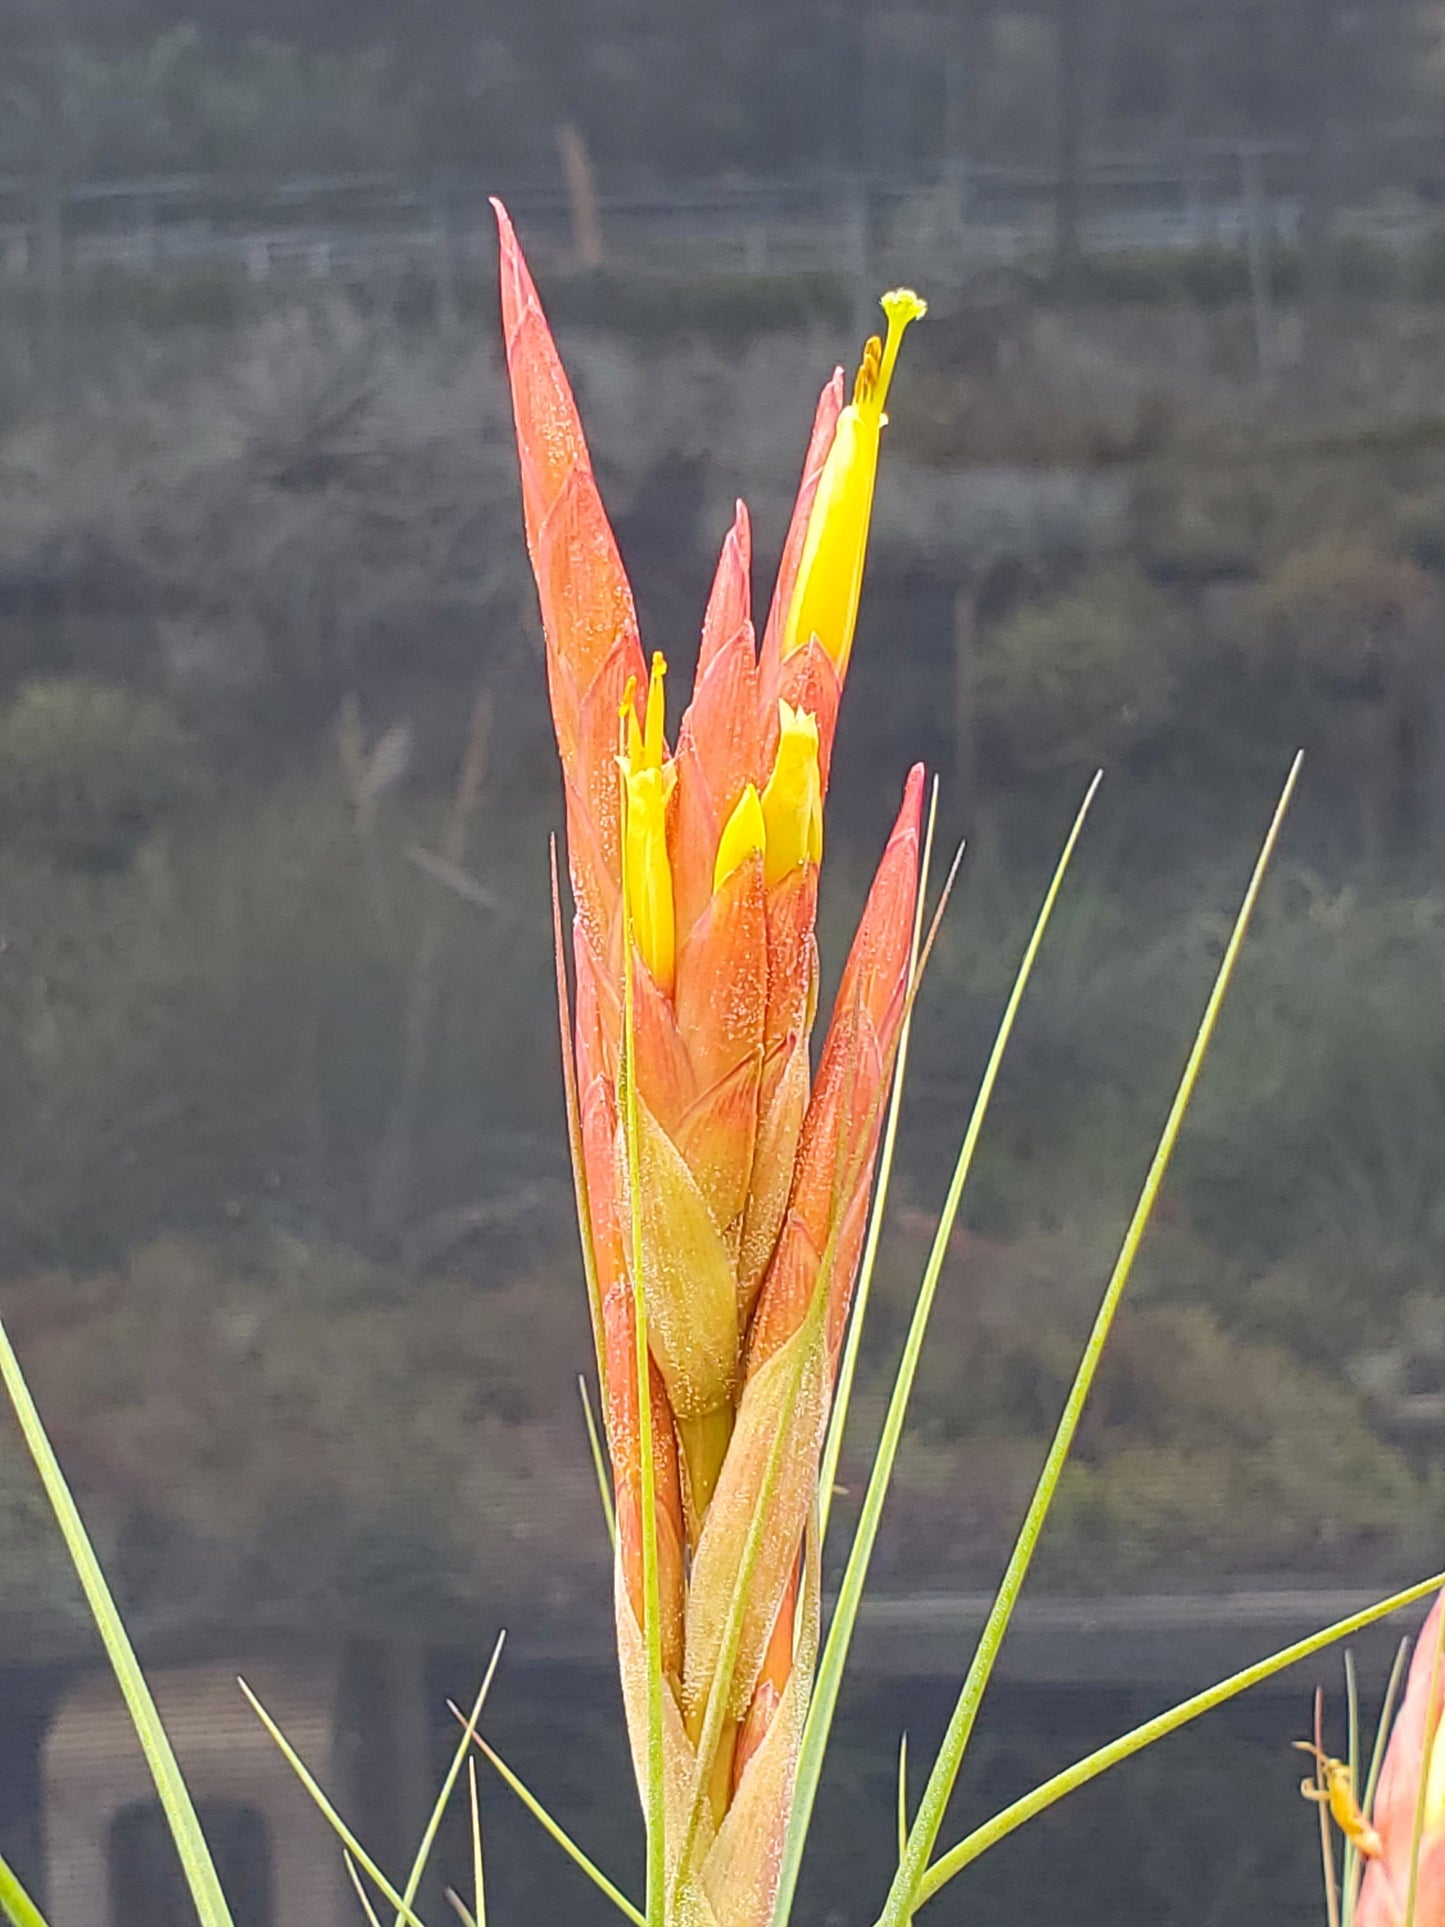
x=830, y=575
x=792, y=803
x=649, y=782
x=743, y=835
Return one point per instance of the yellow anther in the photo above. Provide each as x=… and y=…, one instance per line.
x=865, y=382
x=652, y=743
x=792, y=802
x=744, y=835
x=643, y=745
x=830, y=575
x=1333, y=1786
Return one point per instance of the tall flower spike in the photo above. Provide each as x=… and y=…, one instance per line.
x=744, y=1186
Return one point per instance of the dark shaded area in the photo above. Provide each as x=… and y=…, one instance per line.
x=1209, y=1819
x=145, y=1874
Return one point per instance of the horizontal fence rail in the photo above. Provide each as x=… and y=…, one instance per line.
x=973, y=219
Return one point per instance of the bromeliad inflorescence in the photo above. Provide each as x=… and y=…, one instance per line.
x=722, y=1187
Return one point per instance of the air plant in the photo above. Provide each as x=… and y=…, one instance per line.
x=729, y=1206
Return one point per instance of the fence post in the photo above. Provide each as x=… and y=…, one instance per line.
x=444, y=258
x=52, y=279
x=1256, y=240
x=1069, y=93
x=581, y=197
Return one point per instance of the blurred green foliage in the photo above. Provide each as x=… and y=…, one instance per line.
x=304, y=1432
x=1083, y=676
x=1341, y=611
x=188, y=101
x=87, y=771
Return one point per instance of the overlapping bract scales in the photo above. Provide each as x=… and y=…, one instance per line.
x=721, y=1190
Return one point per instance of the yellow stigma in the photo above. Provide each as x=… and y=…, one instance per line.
x=830, y=575
x=744, y=835
x=649, y=780
x=792, y=803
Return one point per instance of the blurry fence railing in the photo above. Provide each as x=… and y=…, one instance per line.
x=974, y=219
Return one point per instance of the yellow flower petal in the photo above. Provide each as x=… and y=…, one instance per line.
x=649, y=779
x=744, y=835
x=792, y=803
x=649, y=874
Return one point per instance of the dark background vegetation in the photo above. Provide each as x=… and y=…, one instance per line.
x=285, y=1224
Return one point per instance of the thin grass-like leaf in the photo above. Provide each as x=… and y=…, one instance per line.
x=564, y=1840
x=1382, y=1731
x=1377, y=1760
x=902, y=1793
x=1322, y=1809
x=196, y=1863
x=439, y=1807
x=952, y=1863
x=1427, y=1741
x=460, y=1908
x=1351, y=1857
x=902, y=1896
x=361, y=1894
x=818, y=1724
x=838, y=1417
x=16, y=1905
x=656, y=1803
x=574, y=1125
x=338, y=1826
x=599, y=1463
x=479, y=1883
